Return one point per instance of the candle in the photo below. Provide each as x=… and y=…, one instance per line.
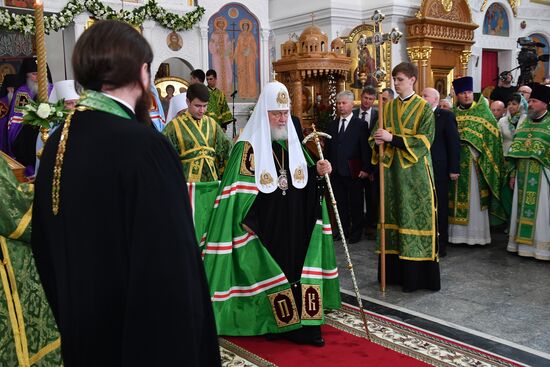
x=41, y=51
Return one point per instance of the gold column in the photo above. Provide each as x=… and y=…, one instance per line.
x=464, y=59
x=297, y=97
x=425, y=77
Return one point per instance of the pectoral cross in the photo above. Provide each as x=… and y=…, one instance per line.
x=378, y=39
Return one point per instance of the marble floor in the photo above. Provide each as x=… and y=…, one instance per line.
x=489, y=298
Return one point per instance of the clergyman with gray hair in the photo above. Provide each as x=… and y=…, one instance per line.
x=349, y=153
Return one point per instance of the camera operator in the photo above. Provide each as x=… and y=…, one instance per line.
x=504, y=90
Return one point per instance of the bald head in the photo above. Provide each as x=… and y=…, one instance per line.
x=431, y=96
x=498, y=109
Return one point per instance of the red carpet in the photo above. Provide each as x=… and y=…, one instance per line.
x=341, y=349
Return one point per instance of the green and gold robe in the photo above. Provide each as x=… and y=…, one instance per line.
x=218, y=108
x=479, y=131
x=530, y=153
x=202, y=146
x=409, y=195
x=28, y=333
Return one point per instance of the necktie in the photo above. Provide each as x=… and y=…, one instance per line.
x=342, y=127
x=364, y=115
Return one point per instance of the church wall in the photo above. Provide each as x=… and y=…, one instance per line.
x=338, y=17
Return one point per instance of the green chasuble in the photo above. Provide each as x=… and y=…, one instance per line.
x=202, y=146
x=530, y=151
x=28, y=333
x=218, y=108
x=250, y=293
x=409, y=192
x=478, y=130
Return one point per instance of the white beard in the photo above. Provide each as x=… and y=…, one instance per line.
x=10, y=96
x=279, y=133
x=33, y=86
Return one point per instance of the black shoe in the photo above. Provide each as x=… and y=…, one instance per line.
x=318, y=342
x=336, y=237
x=354, y=239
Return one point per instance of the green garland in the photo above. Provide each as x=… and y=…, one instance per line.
x=24, y=23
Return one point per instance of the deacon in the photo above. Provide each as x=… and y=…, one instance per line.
x=217, y=104
x=26, y=314
x=409, y=193
x=476, y=193
x=530, y=153
x=269, y=255
x=200, y=142
x=445, y=157
x=112, y=230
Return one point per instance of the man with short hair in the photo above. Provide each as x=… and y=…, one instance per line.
x=525, y=91
x=410, y=214
x=504, y=89
x=476, y=193
x=387, y=95
x=348, y=150
x=445, y=152
x=197, y=76
x=498, y=109
x=369, y=114
x=217, y=105
x=445, y=104
x=270, y=210
x=112, y=231
x=530, y=154
x=202, y=145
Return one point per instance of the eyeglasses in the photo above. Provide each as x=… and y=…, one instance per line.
x=278, y=114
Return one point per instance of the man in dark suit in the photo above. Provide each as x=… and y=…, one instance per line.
x=349, y=153
x=445, y=159
x=369, y=115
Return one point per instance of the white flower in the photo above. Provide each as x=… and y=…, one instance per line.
x=43, y=110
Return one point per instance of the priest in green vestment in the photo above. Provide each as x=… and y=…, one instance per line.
x=269, y=254
x=474, y=199
x=200, y=142
x=28, y=333
x=530, y=153
x=409, y=191
x=217, y=105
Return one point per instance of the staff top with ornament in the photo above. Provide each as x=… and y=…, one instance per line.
x=378, y=39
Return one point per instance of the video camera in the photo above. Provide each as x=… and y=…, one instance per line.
x=528, y=58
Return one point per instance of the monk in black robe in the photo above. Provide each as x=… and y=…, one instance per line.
x=116, y=249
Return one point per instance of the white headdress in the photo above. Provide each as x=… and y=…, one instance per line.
x=177, y=104
x=63, y=89
x=274, y=97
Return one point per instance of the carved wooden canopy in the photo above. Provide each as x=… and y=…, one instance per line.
x=305, y=67
x=439, y=41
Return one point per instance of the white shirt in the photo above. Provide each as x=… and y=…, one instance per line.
x=120, y=101
x=367, y=114
x=348, y=119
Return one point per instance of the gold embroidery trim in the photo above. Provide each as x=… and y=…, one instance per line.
x=23, y=224
x=311, y=299
x=45, y=351
x=14, y=306
x=284, y=308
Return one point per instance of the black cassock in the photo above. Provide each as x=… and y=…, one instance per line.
x=120, y=264
x=445, y=159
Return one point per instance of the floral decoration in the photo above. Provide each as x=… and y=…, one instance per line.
x=24, y=23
